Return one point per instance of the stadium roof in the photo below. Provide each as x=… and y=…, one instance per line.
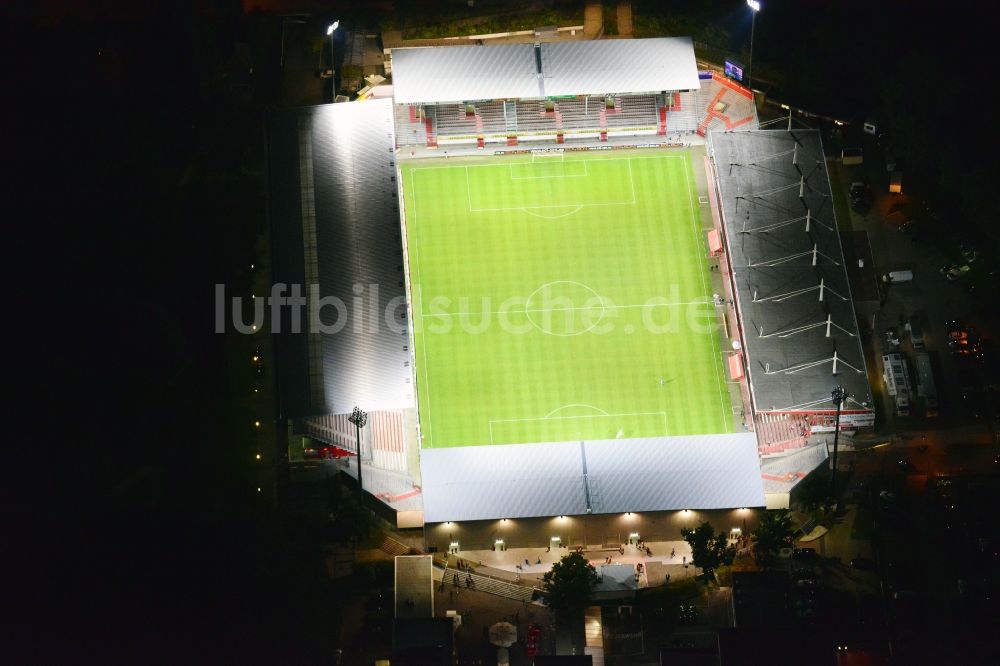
x=791, y=283
x=334, y=217
x=519, y=71
x=604, y=476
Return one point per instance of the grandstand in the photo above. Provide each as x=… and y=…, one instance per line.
x=510, y=436
x=541, y=93
x=786, y=274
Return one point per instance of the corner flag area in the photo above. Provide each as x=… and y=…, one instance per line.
x=561, y=297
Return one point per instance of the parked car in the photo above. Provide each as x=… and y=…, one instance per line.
x=860, y=195
x=955, y=271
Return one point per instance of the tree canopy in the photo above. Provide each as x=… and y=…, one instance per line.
x=708, y=549
x=569, y=585
x=774, y=532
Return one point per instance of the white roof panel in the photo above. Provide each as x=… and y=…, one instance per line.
x=459, y=73
x=605, y=476
x=510, y=71
x=619, y=66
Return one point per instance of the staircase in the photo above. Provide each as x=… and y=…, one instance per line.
x=392, y=547
x=602, y=119
x=456, y=578
x=429, y=127
x=510, y=121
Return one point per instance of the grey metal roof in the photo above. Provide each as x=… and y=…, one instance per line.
x=458, y=73
x=619, y=66
x=778, y=287
x=606, y=476
x=509, y=71
x=335, y=220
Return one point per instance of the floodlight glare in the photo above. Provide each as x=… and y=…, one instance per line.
x=333, y=26
x=754, y=6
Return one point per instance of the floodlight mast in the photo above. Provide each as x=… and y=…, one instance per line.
x=359, y=418
x=329, y=33
x=839, y=395
x=754, y=6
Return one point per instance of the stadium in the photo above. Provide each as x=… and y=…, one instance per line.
x=583, y=297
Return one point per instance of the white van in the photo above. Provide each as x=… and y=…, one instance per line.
x=894, y=277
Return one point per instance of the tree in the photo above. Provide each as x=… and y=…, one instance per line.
x=708, y=549
x=569, y=586
x=774, y=532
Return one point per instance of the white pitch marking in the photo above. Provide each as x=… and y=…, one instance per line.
x=578, y=404
x=704, y=286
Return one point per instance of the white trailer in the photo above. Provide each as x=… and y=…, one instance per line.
x=897, y=381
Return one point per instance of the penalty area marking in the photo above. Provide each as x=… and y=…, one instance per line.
x=586, y=171
x=529, y=209
x=576, y=404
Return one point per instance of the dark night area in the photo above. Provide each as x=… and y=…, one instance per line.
x=139, y=530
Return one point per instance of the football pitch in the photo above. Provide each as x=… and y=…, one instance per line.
x=561, y=298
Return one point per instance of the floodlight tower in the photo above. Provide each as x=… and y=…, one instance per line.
x=754, y=6
x=839, y=395
x=359, y=419
x=333, y=26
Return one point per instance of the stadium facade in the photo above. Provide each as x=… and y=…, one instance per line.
x=338, y=221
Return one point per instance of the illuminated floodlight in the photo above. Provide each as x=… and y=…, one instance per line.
x=333, y=26
x=754, y=5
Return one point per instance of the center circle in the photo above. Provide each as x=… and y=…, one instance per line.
x=565, y=308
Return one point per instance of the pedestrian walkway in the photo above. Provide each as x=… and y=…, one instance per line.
x=528, y=565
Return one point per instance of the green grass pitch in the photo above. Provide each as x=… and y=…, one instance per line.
x=560, y=299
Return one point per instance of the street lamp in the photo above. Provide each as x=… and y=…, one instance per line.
x=359, y=419
x=333, y=26
x=754, y=6
x=839, y=394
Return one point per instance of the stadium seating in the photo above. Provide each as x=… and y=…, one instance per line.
x=718, y=105
x=409, y=128
x=635, y=111
x=780, y=433
x=730, y=107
